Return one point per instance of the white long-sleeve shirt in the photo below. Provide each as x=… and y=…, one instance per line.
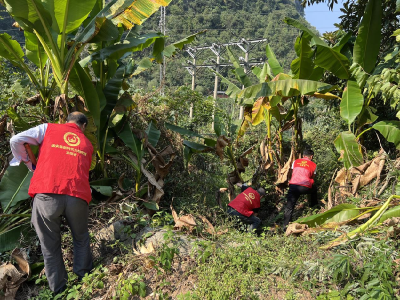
x=33, y=136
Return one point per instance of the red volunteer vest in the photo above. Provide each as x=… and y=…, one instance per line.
x=63, y=163
x=303, y=171
x=246, y=201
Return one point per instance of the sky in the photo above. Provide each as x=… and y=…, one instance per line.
x=319, y=16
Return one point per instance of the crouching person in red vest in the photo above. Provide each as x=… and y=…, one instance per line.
x=301, y=183
x=60, y=187
x=245, y=206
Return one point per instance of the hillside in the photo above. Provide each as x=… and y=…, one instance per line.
x=225, y=21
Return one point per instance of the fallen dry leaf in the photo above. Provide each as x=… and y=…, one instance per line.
x=11, y=278
x=295, y=229
x=143, y=249
x=210, y=228
x=184, y=221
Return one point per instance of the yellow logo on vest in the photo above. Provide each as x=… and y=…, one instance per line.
x=72, y=139
x=249, y=197
x=303, y=163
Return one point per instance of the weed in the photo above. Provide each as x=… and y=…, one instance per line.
x=132, y=286
x=166, y=254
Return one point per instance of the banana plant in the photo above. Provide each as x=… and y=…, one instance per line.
x=264, y=100
x=364, y=80
x=55, y=26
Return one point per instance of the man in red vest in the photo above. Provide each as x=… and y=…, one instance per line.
x=245, y=206
x=60, y=187
x=301, y=183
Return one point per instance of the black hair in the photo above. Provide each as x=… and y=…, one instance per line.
x=308, y=152
x=261, y=191
x=78, y=118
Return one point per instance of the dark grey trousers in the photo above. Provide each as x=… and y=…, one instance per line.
x=46, y=217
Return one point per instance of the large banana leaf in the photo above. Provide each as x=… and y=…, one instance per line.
x=352, y=102
x=82, y=83
x=34, y=50
x=124, y=131
x=273, y=62
x=9, y=239
x=153, y=134
x=337, y=214
x=349, y=150
x=332, y=60
x=368, y=41
x=14, y=185
x=68, y=15
x=303, y=66
x=30, y=15
x=130, y=13
x=326, y=57
x=118, y=50
x=11, y=50
x=285, y=88
x=390, y=130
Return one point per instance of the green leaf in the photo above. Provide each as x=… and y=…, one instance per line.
x=263, y=74
x=197, y=148
x=352, y=102
x=343, y=41
x=10, y=49
x=19, y=123
x=301, y=26
x=124, y=131
x=118, y=50
x=394, y=212
x=182, y=131
x=68, y=15
x=170, y=50
x=272, y=61
x=143, y=65
x=239, y=71
x=30, y=15
x=326, y=57
x=107, y=32
x=339, y=213
x=332, y=60
x=368, y=41
x=83, y=85
x=151, y=205
x=367, y=116
x=10, y=239
x=303, y=66
x=390, y=130
x=104, y=190
x=10, y=182
x=153, y=134
x=350, y=153
x=34, y=50
x=232, y=90
x=285, y=88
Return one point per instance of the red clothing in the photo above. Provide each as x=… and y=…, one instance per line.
x=246, y=201
x=303, y=172
x=63, y=164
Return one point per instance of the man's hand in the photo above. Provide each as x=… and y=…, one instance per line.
x=29, y=165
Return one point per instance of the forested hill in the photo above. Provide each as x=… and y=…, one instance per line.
x=226, y=21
